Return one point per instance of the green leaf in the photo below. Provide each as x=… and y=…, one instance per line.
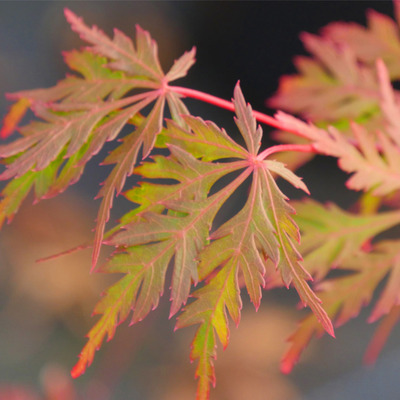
x=80, y=114
x=176, y=206
x=373, y=159
x=147, y=230
x=141, y=60
x=331, y=236
x=343, y=297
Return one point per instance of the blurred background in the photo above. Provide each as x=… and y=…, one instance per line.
x=45, y=308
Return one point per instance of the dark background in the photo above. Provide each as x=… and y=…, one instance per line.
x=253, y=42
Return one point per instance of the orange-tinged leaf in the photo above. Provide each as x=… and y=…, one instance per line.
x=13, y=117
x=330, y=236
x=142, y=60
x=344, y=297
x=373, y=159
x=125, y=158
x=79, y=114
x=261, y=230
x=381, y=335
x=182, y=65
x=139, y=290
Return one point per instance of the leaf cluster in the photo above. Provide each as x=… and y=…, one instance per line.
x=189, y=170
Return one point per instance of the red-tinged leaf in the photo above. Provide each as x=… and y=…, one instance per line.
x=181, y=65
x=138, y=291
x=344, y=297
x=13, y=195
x=209, y=310
x=330, y=87
x=330, y=236
x=373, y=159
x=380, y=39
x=97, y=82
x=299, y=340
x=44, y=141
x=390, y=296
x=246, y=122
x=125, y=158
x=141, y=60
x=79, y=114
x=13, y=117
x=338, y=84
x=381, y=335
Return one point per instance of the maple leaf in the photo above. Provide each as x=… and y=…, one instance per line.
x=338, y=84
x=378, y=40
x=79, y=114
x=373, y=158
x=261, y=229
x=149, y=238
x=330, y=236
x=344, y=297
x=381, y=335
x=172, y=223
x=330, y=87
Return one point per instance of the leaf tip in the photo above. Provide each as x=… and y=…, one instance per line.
x=287, y=365
x=14, y=117
x=78, y=369
x=69, y=15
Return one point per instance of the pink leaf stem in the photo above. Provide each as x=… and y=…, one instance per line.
x=228, y=105
x=304, y=148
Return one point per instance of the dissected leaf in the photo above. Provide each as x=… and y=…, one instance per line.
x=13, y=117
x=374, y=159
x=261, y=229
x=381, y=335
x=344, y=297
x=176, y=207
x=330, y=236
x=390, y=296
x=338, y=84
x=380, y=39
x=77, y=116
x=149, y=231
x=140, y=60
x=331, y=86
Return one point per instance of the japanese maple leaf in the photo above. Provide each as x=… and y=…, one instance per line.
x=372, y=157
x=78, y=115
x=172, y=226
x=261, y=229
x=331, y=236
x=344, y=297
x=331, y=86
